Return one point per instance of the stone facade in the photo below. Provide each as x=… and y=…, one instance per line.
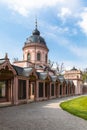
x=19, y=88
x=76, y=76
x=32, y=79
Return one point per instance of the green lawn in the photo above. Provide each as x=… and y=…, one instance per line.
x=77, y=106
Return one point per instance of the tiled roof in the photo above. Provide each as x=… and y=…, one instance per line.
x=42, y=75
x=61, y=78
x=19, y=70
x=54, y=78
x=26, y=71
x=22, y=71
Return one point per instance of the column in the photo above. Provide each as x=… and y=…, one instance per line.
x=50, y=90
x=12, y=82
x=27, y=90
x=9, y=91
x=15, y=89
x=58, y=90
x=62, y=90
x=36, y=90
x=67, y=90
x=54, y=89
x=12, y=90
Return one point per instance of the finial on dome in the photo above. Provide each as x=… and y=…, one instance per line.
x=36, y=23
x=36, y=31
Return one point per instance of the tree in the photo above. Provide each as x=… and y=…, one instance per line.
x=59, y=68
x=50, y=63
x=49, y=66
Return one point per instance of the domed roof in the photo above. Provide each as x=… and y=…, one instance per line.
x=36, y=32
x=73, y=69
x=35, y=37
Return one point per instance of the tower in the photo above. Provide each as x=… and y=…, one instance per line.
x=35, y=49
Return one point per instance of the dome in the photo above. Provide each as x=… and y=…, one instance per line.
x=73, y=69
x=35, y=37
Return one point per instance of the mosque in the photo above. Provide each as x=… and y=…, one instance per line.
x=32, y=79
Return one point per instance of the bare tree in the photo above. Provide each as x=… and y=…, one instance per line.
x=59, y=68
x=50, y=64
x=15, y=59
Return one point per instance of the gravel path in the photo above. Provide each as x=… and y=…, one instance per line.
x=46, y=115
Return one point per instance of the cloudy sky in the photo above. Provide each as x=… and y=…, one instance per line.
x=63, y=24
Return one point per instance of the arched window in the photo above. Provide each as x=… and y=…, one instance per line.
x=46, y=58
x=28, y=56
x=38, y=56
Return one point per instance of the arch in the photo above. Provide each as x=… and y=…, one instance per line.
x=6, y=74
x=38, y=56
x=28, y=56
x=7, y=66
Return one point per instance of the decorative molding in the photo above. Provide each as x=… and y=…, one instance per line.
x=7, y=63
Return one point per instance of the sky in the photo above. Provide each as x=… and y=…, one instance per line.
x=62, y=23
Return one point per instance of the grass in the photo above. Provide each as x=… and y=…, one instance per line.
x=77, y=106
